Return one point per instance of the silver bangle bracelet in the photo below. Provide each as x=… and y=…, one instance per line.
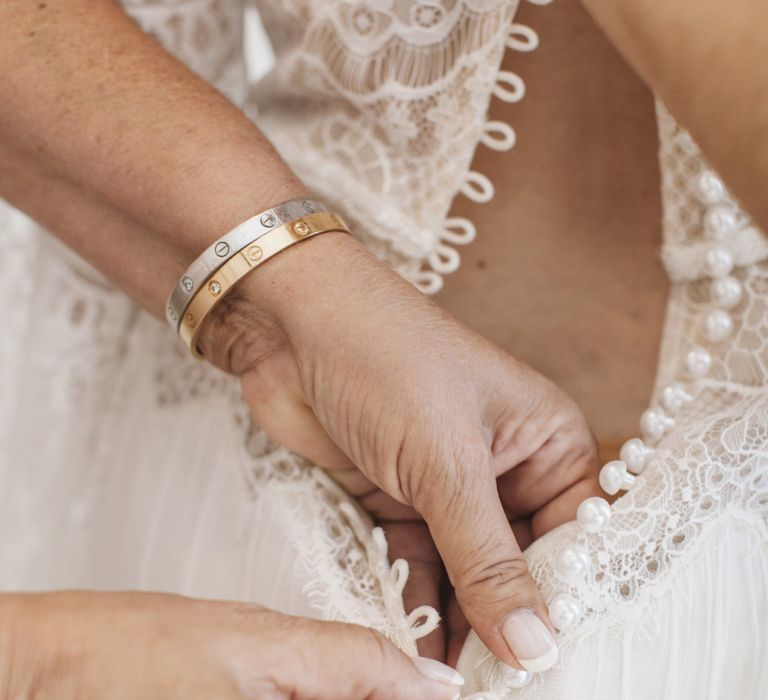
x=229, y=245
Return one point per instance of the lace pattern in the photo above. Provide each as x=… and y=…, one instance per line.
x=353, y=581
x=708, y=463
x=379, y=106
x=684, y=173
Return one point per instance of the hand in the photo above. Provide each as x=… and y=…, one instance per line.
x=156, y=646
x=344, y=362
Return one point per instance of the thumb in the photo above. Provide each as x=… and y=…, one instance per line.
x=349, y=662
x=487, y=568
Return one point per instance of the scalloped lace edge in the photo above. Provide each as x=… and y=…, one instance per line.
x=497, y=135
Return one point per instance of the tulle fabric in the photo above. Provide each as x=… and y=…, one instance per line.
x=125, y=464
x=701, y=634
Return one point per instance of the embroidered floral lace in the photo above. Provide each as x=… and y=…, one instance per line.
x=379, y=105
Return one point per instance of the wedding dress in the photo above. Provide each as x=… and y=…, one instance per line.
x=125, y=464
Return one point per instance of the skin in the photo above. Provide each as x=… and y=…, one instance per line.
x=100, y=180
x=592, y=323
x=156, y=646
x=482, y=439
x=511, y=446
x=707, y=63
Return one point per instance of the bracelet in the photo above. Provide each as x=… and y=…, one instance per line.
x=227, y=247
x=250, y=257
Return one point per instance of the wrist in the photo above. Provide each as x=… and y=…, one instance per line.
x=275, y=305
x=238, y=333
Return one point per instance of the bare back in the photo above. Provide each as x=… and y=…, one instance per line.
x=565, y=272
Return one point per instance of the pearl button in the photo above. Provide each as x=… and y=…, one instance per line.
x=654, y=423
x=674, y=397
x=515, y=677
x=718, y=325
x=614, y=477
x=710, y=187
x=635, y=454
x=572, y=562
x=697, y=362
x=565, y=611
x=593, y=514
x=721, y=220
x=718, y=262
x=726, y=291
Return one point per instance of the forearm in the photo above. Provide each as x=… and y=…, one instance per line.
x=23, y=654
x=131, y=255
x=708, y=61
x=145, y=267
x=87, y=98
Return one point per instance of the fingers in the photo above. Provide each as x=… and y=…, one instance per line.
x=522, y=529
x=550, y=485
x=562, y=509
x=335, y=661
x=487, y=568
x=411, y=541
x=457, y=629
x=276, y=400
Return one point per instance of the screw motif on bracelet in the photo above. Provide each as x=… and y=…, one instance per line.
x=249, y=258
x=229, y=245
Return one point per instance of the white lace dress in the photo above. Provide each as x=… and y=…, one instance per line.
x=125, y=464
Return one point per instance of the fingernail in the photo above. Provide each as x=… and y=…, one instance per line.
x=530, y=641
x=436, y=671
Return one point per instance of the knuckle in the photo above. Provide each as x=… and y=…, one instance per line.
x=501, y=574
x=496, y=581
x=447, y=479
x=583, y=459
x=377, y=648
x=589, y=459
x=370, y=651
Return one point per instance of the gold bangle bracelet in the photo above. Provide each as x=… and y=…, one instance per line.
x=249, y=258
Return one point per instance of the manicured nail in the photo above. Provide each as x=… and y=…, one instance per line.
x=530, y=641
x=436, y=671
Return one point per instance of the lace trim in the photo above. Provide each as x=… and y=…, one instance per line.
x=674, y=581
x=351, y=579
x=706, y=429
x=497, y=135
x=405, y=629
x=395, y=63
x=685, y=262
